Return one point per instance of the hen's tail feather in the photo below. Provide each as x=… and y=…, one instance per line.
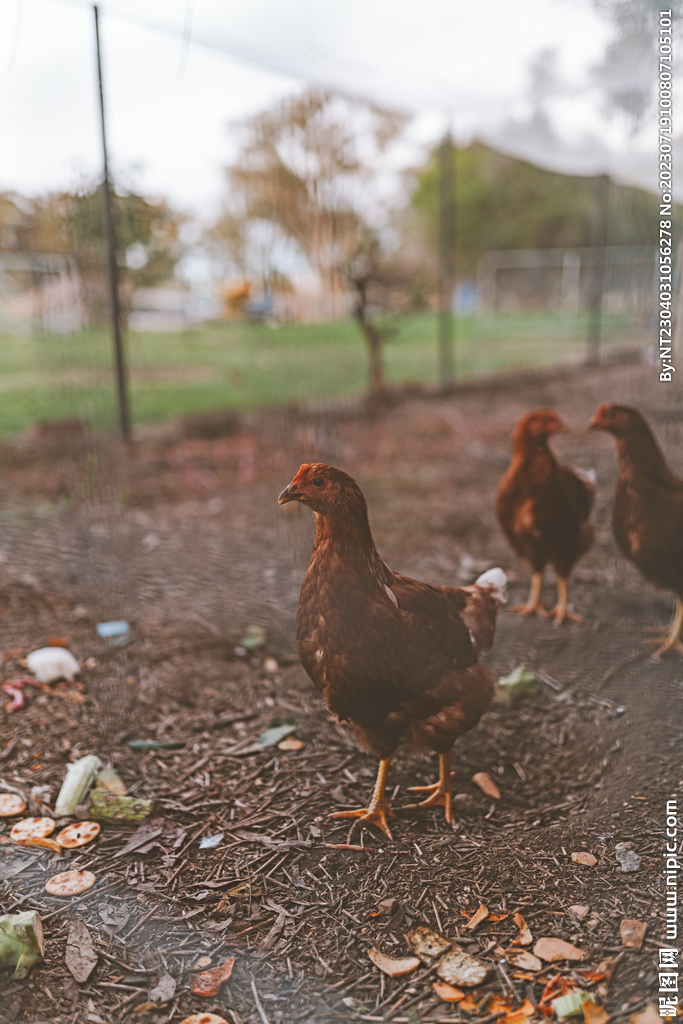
x=495, y=581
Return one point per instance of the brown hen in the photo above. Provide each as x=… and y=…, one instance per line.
x=647, y=516
x=543, y=509
x=393, y=656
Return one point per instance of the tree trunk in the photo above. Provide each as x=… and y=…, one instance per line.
x=373, y=336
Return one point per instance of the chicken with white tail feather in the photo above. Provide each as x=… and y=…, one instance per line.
x=393, y=656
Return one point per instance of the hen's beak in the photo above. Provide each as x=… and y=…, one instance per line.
x=290, y=493
x=596, y=422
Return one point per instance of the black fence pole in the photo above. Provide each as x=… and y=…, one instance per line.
x=112, y=265
x=446, y=261
x=597, y=290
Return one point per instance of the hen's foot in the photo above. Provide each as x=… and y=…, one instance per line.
x=559, y=614
x=440, y=797
x=441, y=792
x=534, y=605
x=376, y=815
x=377, y=810
x=670, y=640
x=666, y=644
x=530, y=609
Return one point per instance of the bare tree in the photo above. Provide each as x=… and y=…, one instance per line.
x=303, y=166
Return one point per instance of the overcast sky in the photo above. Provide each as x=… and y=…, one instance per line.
x=178, y=72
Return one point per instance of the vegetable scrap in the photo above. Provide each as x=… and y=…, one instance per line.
x=253, y=638
x=455, y=965
x=594, y=1014
x=449, y=993
x=549, y=949
x=523, y=959
x=632, y=933
x=480, y=915
x=125, y=810
x=572, y=1004
x=39, y=841
x=277, y=731
x=584, y=858
x=108, y=779
x=79, y=778
x=486, y=785
x=518, y=683
x=208, y=983
x=392, y=966
x=21, y=942
x=525, y=937
x=290, y=743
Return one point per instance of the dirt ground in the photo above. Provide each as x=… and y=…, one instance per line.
x=183, y=538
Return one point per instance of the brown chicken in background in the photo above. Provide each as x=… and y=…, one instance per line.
x=543, y=509
x=393, y=656
x=647, y=517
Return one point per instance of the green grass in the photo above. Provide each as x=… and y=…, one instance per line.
x=245, y=366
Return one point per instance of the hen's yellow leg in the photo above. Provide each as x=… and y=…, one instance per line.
x=534, y=605
x=560, y=612
x=441, y=791
x=377, y=810
x=672, y=636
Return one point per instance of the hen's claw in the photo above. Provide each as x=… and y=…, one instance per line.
x=559, y=614
x=377, y=810
x=666, y=644
x=530, y=609
x=441, y=791
x=534, y=606
x=370, y=815
x=670, y=638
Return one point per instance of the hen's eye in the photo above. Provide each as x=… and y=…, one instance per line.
x=318, y=482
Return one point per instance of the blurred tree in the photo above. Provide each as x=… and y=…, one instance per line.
x=148, y=237
x=226, y=239
x=505, y=203
x=13, y=222
x=71, y=222
x=627, y=72
x=304, y=166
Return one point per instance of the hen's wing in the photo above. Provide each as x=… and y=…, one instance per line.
x=648, y=525
x=578, y=491
x=370, y=646
x=450, y=699
x=449, y=709
x=543, y=509
x=518, y=497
